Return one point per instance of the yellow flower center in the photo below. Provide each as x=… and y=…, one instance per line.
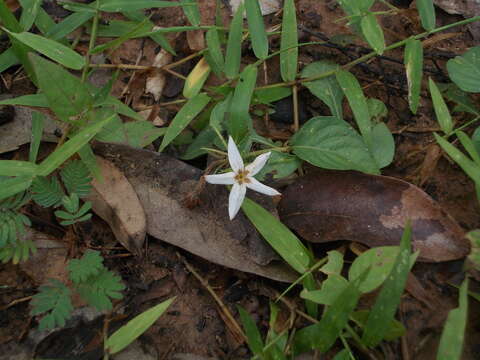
x=242, y=177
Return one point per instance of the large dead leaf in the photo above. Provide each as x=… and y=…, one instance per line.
x=162, y=183
x=340, y=205
x=115, y=201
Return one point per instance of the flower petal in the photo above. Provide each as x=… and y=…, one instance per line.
x=234, y=158
x=256, y=185
x=235, y=199
x=224, y=179
x=257, y=164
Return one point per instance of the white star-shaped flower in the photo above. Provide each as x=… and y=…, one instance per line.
x=242, y=177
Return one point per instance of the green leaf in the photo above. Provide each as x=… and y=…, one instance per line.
x=289, y=42
x=373, y=32
x=45, y=192
x=37, y=130
x=467, y=165
x=413, y=59
x=280, y=238
x=234, y=44
x=128, y=5
x=124, y=336
x=186, y=114
x=76, y=178
x=67, y=96
x=279, y=165
x=334, y=264
x=254, y=338
x=17, y=168
x=98, y=290
x=214, y=55
x=395, y=329
x=269, y=95
x=29, y=13
x=426, y=10
x=331, y=290
x=8, y=59
x=465, y=70
x=383, y=148
x=13, y=186
x=190, y=9
x=68, y=25
x=377, y=109
x=331, y=143
x=91, y=264
x=240, y=122
x=469, y=146
x=256, y=28
x=52, y=49
x=195, y=80
x=55, y=299
x=358, y=103
x=204, y=139
x=441, y=110
x=63, y=153
x=33, y=100
x=326, y=89
x=383, y=312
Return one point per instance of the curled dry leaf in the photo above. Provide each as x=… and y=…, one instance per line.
x=196, y=40
x=156, y=82
x=339, y=205
x=115, y=201
x=162, y=184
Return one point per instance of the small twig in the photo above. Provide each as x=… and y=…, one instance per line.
x=296, y=121
x=15, y=302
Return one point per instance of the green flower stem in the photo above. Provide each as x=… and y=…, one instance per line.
x=91, y=45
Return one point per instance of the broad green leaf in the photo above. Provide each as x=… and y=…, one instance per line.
x=373, y=32
x=8, y=59
x=256, y=28
x=465, y=70
x=214, y=55
x=451, y=342
x=17, y=168
x=234, y=44
x=196, y=79
x=64, y=152
x=37, y=130
x=240, y=121
x=334, y=264
x=279, y=165
x=365, y=5
x=379, y=261
x=14, y=185
x=383, y=148
x=289, y=40
x=254, y=338
x=331, y=143
x=326, y=89
x=190, y=9
x=51, y=49
x=441, y=110
x=322, y=335
x=331, y=289
x=383, y=312
x=394, y=331
x=469, y=146
x=67, y=96
x=358, y=103
x=413, y=60
x=68, y=25
x=344, y=354
x=280, y=238
x=426, y=10
x=129, y=5
x=124, y=336
x=467, y=165
x=186, y=114
x=377, y=109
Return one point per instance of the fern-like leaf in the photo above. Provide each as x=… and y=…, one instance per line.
x=12, y=226
x=91, y=264
x=54, y=299
x=98, y=290
x=76, y=177
x=18, y=251
x=47, y=192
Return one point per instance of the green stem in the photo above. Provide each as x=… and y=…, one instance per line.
x=91, y=45
x=263, y=151
x=468, y=123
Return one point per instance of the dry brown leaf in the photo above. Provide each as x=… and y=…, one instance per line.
x=162, y=184
x=373, y=210
x=196, y=40
x=115, y=201
x=156, y=83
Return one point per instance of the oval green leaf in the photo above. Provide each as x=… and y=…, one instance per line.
x=465, y=70
x=256, y=27
x=289, y=42
x=426, y=10
x=413, y=60
x=441, y=110
x=234, y=44
x=373, y=32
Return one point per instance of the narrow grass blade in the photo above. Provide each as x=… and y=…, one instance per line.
x=190, y=9
x=33, y=100
x=8, y=59
x=373, y=32
x=254, y=338
x=441, y=110
x=37, y=130
x=17, y=168
x=29, y=13
x=280, y=238
x=426, y=10
x=289, y=42
x=234, y=44
x=64, y=152
x=68, y=25
x=240, y=121
x=469, y=146
x=353, y=91
x=187, y=113
x=129, y=5
x=383, y=312
x=13, y=186
x=124, y=336
x=52, y=49
x=256, y=27
x=8, y=19
x=451, y=342
x=413, y=59
x=214, y=55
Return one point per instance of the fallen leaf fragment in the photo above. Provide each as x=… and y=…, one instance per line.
x=345, y=205
x=156, y=83
x=115, y=201
x=162, y=183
